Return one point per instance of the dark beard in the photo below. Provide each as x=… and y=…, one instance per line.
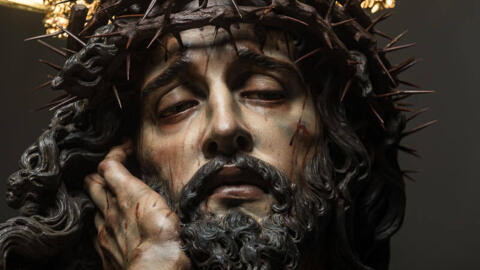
x=236, y=240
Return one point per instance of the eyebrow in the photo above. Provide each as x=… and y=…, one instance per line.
x=183, y=61
x=167, y=75
x=267, y=62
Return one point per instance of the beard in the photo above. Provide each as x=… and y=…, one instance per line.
x=236, y=240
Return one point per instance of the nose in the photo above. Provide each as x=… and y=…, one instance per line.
x=226, y=134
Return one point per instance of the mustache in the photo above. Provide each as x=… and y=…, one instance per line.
x=196, y=190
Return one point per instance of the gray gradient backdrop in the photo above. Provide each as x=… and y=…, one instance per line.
x=440, y=231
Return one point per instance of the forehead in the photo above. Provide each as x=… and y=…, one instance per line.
x=210, y=44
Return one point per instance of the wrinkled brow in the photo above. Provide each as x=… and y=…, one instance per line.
x=167, y=75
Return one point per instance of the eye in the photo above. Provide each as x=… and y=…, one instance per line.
x=177, y=108
x=264, y=95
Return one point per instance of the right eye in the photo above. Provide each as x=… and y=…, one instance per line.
x=177, y=108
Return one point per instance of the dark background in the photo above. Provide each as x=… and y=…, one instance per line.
x=443, y=214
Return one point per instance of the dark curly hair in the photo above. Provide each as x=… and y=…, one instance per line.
x=355, y=88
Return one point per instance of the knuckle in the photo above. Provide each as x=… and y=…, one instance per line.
x=107, y=164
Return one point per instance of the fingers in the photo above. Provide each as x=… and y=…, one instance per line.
x=116, y=176
x=95, y=185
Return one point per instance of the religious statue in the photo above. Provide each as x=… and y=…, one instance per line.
x=216, y=134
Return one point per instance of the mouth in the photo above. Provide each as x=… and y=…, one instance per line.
x=232, y=186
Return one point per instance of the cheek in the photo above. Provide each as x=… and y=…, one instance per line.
x=174, y=156
x=287, y=141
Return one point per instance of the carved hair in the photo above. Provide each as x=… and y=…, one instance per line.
x=363, y=190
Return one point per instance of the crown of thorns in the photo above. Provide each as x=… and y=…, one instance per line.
x=129, y=24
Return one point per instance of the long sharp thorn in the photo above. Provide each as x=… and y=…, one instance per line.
x=293, y=19
x=396, y=48
x=416, y=114
x=417, y=129
x=407, y=66
x=327, y=40
x=43, y=85
x=43, y=36
x=382, y=34
x=62, y=2
x=382, y=123
x=328, y=16
x=129, y=42
x=72, y=99
x=157, y=34
x=345, y=90
x=237, y=8
x=385, y=70
x=342, y=22
x=307, y=55
x=149, y=9
x=232, y=39
x=54, y=49
x=377, y=20
x=409, y=150
x=128, y=63
x=69, y=51
x=403, y=109
x=129, y=16
x=405, y=92
x=396, y=39
x=409, y=84
x=401, y=65
x=72, y=36
x=50, y=64
x=117, y=96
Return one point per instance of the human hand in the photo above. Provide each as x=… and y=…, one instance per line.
x=136, y=228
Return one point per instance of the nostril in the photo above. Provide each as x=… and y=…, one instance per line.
x=243, y=143
x=212, y=148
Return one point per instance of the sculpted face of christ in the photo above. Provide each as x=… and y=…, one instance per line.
x=227, y=130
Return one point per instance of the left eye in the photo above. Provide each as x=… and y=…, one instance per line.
x=178, y=108
x=264, y=95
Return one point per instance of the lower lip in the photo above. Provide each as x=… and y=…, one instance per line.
x=240, y=192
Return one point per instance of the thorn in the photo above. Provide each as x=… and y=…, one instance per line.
x=417, y=113
x=149, y=9
x=342, y=22
x=403, y=109
x=396, y=48
x=43, y=36
x=129, y=42
x=401, y=65
x=416, y=129
x=157, y=34
x=382, y=123
x=128, y=65
x=396, y=39
x=327, y=40
x=382, y=34
x=62, y=53
x=69, y=50
x=409, y=84
x=385, y=70
x=117, y=96
x=330, y=10
x=62, y=2
x=307, y=55
x=43, y=85
x=406, y=66
x=345, y=90
x=237, y=8
x=72, y=36
x=129, y=16
x=409, y=150
x=382, y=17
x=50, y=64
x=69, y=100
x=405, y=92
x=232, y=39
x=293, y=19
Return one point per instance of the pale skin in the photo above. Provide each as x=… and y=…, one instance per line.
x=217, y=104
